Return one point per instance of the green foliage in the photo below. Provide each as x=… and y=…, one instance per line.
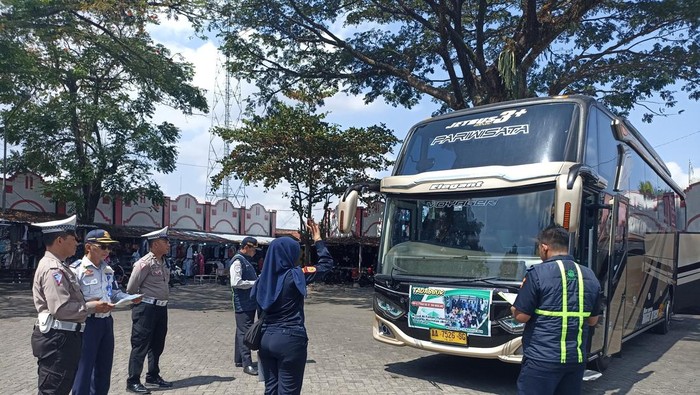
x=83, y=82
x=463, y=54
x=317, y=159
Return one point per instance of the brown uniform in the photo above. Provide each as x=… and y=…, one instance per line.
x=150, y=278
x=150, y=317
x=56, y=291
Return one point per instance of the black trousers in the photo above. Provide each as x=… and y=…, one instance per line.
x=283, y=354
x=57, y=353
x=148, y=331
x=241, y=353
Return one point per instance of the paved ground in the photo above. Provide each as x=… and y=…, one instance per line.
x=343, y=358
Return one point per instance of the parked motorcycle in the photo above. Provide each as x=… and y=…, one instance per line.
x=176, y=274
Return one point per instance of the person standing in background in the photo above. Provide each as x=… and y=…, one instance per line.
x=243, y=278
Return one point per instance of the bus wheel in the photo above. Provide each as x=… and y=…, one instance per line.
x=664, y=326
x=600, y=364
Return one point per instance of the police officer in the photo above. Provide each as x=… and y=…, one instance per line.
x=558, y=300
x=243, y=278
x=149, y=277
x=97, y=282
x=57, y=337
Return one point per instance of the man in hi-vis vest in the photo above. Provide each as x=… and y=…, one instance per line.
x=558, y=300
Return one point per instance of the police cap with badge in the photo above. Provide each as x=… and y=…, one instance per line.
x=99, y=236
x=59, y=226
x=158, y=234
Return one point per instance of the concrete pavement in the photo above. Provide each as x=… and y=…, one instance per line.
x=343, y=357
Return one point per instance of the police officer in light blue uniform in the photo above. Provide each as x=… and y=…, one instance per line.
x=96, y=280
x=558, y=301
x=243, y=278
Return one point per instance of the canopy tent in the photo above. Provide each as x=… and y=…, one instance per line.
x=262, y=240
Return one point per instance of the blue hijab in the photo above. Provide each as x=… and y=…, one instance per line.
x=281, y=258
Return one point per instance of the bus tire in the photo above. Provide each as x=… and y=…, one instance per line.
x=599, y=364
x=664, y=326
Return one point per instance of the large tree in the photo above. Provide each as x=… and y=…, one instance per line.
x=81, y=104
x=466, y=53
x=316, y=158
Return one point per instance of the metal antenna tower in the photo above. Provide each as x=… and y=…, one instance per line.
x=223, y=114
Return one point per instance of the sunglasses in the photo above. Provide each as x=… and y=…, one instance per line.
x=103, y=247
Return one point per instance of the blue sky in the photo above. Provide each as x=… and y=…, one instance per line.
x=676, y=138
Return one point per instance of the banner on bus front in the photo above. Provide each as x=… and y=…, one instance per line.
x=454, y=309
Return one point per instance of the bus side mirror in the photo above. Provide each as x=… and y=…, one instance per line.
x=346, y=211
x=567, y=202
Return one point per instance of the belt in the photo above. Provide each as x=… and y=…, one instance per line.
x=100, y=315
x=157, y=302
x=66, y=326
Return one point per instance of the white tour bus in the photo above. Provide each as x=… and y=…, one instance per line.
x=468, y=195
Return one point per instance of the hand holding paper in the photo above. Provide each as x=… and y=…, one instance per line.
x=509, y=297
x=128, y=300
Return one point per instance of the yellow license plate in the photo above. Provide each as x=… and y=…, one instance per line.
x=445, y=336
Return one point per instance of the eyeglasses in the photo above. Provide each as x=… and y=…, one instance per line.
x=103, y=247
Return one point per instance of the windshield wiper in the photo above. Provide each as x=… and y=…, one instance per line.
x=485, y=280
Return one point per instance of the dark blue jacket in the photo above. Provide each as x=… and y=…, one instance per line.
x=558, y=330
x=241, y=296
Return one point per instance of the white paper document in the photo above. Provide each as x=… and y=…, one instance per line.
x=509, y=297
x=127, y=301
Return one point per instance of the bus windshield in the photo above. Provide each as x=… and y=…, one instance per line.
x=462, y=238
x=520, y=135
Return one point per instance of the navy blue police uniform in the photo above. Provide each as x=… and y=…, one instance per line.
x=95, y=367
x=243, y=276
x=284, y=342
x=559, y=295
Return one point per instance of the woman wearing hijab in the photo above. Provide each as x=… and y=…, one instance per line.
x=280, y=292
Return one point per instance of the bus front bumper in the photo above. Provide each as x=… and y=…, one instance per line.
x=386, y=332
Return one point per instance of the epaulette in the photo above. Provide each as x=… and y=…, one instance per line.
x=75, y=264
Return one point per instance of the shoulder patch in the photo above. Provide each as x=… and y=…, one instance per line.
x=58, y=277
x=308, y=269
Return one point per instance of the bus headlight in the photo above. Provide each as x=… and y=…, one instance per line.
x=388, y=307
x=510, y=325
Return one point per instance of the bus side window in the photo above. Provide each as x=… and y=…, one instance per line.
x=591, y=155
x=607, y=149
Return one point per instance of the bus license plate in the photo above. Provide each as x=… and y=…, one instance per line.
x=444, y=336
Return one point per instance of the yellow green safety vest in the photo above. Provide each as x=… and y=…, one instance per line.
x=565, y=314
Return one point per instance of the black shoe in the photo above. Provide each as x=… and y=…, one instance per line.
x=251, y=370
x=239, y=364
x=137, y=388
x=159, y=382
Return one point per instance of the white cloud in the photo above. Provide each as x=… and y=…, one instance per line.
x=679, y=175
